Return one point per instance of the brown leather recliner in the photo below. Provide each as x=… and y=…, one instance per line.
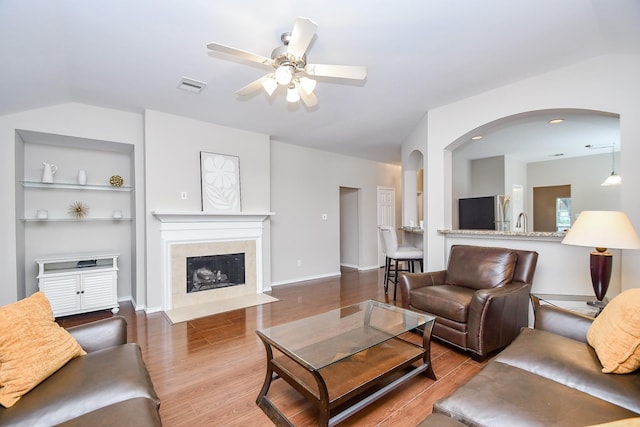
x=480, y=301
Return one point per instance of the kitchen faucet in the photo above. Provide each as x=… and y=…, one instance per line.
x=522, y=224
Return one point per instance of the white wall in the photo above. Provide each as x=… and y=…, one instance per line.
x=173, y=146
x=584, y=174
x=487, y=176
x=71, y=119
x=306, y=183
x=302, y=185
x=601, y=84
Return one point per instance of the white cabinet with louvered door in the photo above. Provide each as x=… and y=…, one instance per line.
x=79, y=283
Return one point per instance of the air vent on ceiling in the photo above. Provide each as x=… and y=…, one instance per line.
x=191, y=85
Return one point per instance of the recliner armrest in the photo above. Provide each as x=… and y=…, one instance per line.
x=410, y=281
x=100, y=333
x=562, y=322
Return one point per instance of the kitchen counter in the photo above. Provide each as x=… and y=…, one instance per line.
x=529, y=235
x=410, y=229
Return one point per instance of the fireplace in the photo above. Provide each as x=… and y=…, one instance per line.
x=231, y=244
x=214, y=271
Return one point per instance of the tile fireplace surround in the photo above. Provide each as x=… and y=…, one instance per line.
x=186, y=234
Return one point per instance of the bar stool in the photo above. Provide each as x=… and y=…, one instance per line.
x=395, y=255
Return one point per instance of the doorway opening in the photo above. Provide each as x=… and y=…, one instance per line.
x=350, y=227
x=552, y=208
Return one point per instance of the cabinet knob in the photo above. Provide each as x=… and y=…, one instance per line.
x=77, y=292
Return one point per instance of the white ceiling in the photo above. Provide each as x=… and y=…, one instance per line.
x=420, y=54
x=531, y=138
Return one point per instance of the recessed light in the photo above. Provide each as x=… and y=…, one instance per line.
x=555, y=121
x=477, y=137
x=556, y=155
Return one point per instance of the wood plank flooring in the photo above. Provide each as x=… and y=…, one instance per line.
x=208, y=371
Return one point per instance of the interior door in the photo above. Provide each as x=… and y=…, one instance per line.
x=386, y=214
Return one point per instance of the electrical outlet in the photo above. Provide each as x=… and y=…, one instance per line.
x=324, y=217
x=183, y=195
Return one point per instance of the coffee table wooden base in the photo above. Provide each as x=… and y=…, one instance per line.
x=341, y=382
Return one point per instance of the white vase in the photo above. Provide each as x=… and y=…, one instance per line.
x=82, y=177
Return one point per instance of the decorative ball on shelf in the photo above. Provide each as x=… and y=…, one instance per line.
x=116, y=181
x=78, y=210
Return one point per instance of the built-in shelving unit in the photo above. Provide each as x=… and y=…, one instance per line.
x=47, y=227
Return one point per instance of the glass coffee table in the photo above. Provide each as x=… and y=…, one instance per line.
x=336, y=359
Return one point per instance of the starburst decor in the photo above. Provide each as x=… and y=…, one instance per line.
x=78, y=210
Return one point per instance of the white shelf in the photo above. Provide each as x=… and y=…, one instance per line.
x=172, y=216
x=75, y=219
x=69, y=186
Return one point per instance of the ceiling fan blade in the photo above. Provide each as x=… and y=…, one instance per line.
x=252, y=87
x=310, y=100
x=339, y=71
x=303, y=31
x=249, y=56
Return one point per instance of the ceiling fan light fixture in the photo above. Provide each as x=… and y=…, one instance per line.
x=292, y=94
x=288, y=64
x=284, y=75
x=269, y=84
x=308, y=85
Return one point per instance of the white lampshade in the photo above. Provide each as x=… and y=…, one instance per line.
x=284, y=75
x=292, y=94
x=603, y=229
x=612, y=179
x=308, y=85
x=269, y=84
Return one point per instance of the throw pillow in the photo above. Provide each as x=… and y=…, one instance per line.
x=615, y=334
x=32, y=346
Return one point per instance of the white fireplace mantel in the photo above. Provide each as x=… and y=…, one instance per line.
x=193, y=228
x=169, y=216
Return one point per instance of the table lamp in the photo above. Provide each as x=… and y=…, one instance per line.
x=602, y=230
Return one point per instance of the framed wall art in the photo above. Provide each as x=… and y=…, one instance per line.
x=220, y=182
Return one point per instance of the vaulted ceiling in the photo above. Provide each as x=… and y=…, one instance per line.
x=420, y=54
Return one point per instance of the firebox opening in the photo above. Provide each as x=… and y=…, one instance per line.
x=215, y=271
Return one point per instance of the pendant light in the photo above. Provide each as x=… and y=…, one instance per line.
x=612, y=179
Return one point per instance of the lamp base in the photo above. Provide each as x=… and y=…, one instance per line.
x=600, y=262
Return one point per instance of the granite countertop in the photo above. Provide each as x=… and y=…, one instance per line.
x=512, y=234
x=412, y=229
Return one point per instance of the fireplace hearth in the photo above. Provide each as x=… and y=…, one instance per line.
x=215, y=271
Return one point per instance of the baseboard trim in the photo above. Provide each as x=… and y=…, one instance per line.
x=305, y=279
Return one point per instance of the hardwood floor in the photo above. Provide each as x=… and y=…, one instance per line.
x=208, y=371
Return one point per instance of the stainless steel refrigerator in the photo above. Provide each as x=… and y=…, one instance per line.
x=484, y=213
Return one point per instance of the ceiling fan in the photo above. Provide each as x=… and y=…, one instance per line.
x=289, y=67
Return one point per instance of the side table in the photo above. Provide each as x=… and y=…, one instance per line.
x=576, y=303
